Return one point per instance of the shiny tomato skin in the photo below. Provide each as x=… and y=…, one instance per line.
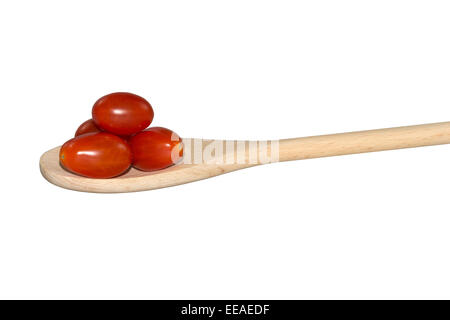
x=155, y=149
x=88, y=126
x=122, y=113
x=96, y=155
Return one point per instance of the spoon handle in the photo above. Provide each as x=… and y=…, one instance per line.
x=364, y=141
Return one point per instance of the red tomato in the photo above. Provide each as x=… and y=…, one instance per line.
x=156, y=148
x=122, y=113
x=87, y=127
x=96, y=155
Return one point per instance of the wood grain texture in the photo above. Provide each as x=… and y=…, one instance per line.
x=289, y=149
x=365, y=141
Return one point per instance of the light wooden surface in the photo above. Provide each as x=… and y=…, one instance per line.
x=289, y=149
x=365, y=141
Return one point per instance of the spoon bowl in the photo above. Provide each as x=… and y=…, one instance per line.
x=133, y=180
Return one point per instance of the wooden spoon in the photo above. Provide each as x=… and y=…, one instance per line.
x=204, y=159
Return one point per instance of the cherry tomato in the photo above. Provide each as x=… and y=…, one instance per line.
x=155, y=148
x=122, y=113
x=96, y=155
x=87, y=127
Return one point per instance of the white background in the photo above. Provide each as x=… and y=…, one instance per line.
x=363, y=226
